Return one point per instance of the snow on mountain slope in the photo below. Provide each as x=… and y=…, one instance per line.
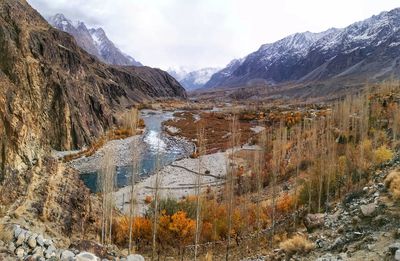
x=94, y=41
x=305, y=57
x=192, y=80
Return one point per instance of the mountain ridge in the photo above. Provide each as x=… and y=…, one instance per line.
x=93, y=40
x=306, y=58
x=193, y=80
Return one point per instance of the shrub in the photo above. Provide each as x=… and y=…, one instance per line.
x=298, y=244
x=392, y=181
x=382, y=154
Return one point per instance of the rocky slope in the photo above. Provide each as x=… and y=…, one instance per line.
x=192, y=80
x=364, y=225
x=53, y=94
x=366, y=50
x=93, y=40
x=49, y=83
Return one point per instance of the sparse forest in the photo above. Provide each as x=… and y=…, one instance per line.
x=305, y=160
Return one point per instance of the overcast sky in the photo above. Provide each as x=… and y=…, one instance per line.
x=207, y=33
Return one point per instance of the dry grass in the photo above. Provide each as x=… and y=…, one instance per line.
x=216, y=128
x=6, y=233
x=392, y=181
x=298, y=244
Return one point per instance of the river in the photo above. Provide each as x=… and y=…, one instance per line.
x=157, y=148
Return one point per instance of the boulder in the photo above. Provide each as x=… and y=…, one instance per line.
x=397, y=255
x=86, y=256
x=17, y=231
x=312, y=221
x=21, y=239
x=20, y=252
x=67, y=255
x=135, y=257
x=11, y=247
x=40, y=240
x=50, y=251
x=394, y=247
x=32, y=241
x=38, y=251
x=368, y=210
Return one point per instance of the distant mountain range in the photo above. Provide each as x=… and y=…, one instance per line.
x=93, y=40
x=368, y=50
x=192, y=80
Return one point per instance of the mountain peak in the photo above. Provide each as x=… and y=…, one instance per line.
x=93, y=40
x=308, y=56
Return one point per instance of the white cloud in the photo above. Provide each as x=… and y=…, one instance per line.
x=203, y=33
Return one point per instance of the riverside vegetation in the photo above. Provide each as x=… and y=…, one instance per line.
x=305, y=162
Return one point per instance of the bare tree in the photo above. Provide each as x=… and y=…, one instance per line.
x=231, y=174
x=106, y=184
x=198, y=182
x=133, y=122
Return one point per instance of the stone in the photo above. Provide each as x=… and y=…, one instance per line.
x=20, y=252
x=38, y=251
x=397, y=255
x=67, y=255
x=32, y=241
x=394, y=247
x=368, y=210
x=86, y=256
x=50, y=251
x=21, y=239
x=40, y=240
x=135, y=257
x=11, y=247
x=47, y=242
x=312, y=221
x=17, y=231
x=397, y=233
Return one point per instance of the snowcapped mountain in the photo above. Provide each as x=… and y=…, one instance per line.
x=192, y=80
x=366, y=50
x=94, y=41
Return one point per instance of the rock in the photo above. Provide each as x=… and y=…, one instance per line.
x=397, y=255
x=86, y=256
x=17, y=231
x=394, y=247
x=312, y=221
x=50, y=251
x=40, y=240
x=330, y=257
x=135, y=257
x=20, y=252
x=67, y=255
x=11, y=247
x=32, y=241
x=21, y=239
x=38, y=251
x=47, y=242
x=397, y=235
x=368, y=210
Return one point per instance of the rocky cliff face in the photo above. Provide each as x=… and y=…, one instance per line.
x=54, y=93
x=94, y=41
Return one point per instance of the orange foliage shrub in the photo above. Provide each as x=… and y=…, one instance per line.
x=285, y=204
x=141, y=230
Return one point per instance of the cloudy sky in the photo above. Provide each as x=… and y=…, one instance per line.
x=207, y=33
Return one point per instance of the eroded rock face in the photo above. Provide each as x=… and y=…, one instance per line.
x=54, y=93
